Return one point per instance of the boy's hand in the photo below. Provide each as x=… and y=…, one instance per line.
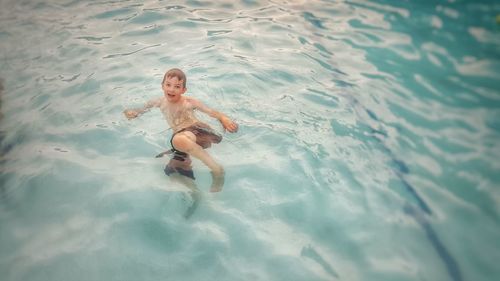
x=130, y=113
x=229, y=125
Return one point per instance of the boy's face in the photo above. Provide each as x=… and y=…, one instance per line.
x=173, y=89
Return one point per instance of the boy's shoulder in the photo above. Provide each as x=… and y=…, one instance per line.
x=191, y=100
x=156, y=101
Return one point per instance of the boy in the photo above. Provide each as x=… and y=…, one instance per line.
x=190, y=136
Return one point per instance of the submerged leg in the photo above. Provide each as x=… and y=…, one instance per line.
x=217, y=182
x=196, y=196
x=180, y=163
x=186, y=142
x=194, y=192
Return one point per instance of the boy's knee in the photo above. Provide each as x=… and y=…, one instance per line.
x=182, y=142
x=179, y=142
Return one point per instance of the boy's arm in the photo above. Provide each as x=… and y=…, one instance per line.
x=226, y=122
x=135, y=112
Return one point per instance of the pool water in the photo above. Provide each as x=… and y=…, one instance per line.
x=368, y=146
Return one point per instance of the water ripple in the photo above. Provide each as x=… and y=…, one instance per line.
x=130, y=53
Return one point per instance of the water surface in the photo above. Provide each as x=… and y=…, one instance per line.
x=368, y=146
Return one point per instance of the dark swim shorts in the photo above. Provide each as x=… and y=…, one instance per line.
x=181, y=162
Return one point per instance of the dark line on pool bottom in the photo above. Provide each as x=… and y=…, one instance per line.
x=419, y=214
x=403, y=169
x=450, y=263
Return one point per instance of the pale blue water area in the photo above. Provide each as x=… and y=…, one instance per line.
x=368, y=146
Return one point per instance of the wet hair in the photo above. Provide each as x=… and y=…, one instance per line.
x=175, y=72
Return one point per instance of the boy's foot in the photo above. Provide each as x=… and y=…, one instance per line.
x=217, y=181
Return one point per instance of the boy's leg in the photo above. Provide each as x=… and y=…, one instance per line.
x=194, y=192
x=180, y=163
x=186, y=142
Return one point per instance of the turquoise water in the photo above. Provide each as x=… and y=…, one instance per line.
x=368, y=146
